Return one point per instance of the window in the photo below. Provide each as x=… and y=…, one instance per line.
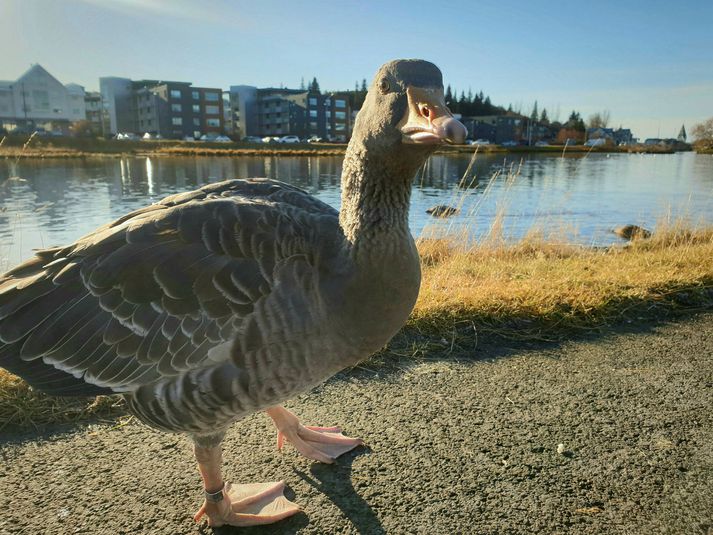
x=313, y=113
x=196, y=108
x=41, y=99
x=177, y=121
x=212, y=110
x=196, y=121
x=340, y=115
x=340, y=127
x=176, y=107
x=327, y=102
x=213, y=122
x=175, y=93
x=312, y=101
x=196, y=95
x=313, y=125
x=340, y=103
x=212, y=97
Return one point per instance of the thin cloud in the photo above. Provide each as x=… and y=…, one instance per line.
x=181, y=10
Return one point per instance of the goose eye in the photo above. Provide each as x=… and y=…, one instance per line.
x=384, y=85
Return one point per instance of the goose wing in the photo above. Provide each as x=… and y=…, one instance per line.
x=149, y=295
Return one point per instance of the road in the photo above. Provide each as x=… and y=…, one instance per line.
x=465, y=445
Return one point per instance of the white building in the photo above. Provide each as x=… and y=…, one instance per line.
x=38, y=99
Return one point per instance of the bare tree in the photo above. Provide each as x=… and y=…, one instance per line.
x=599, y=119
x=703, y=132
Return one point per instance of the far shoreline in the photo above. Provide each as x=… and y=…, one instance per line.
x=13, y=147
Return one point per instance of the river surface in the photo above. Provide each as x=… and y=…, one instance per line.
x=576, y=198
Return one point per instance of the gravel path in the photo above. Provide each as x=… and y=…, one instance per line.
x=454, y=447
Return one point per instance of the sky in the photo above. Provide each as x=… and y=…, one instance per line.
x=650, y=63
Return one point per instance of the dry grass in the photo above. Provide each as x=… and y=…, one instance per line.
x=24, y=407
x=541, y=289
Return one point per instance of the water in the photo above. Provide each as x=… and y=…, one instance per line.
x=56, y=201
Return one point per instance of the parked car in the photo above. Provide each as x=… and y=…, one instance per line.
x=509, y=144
x=596, y=142
x=480, y=142
x=270, y=139
x=127, y=136
x=252, y=139
x=315, y=139
x=188, y=138
x=223, y=139
x=542, y=144
x=289, y=139
x=209, y=137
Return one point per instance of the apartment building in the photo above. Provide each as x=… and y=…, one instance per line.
x=93, y=110
x=38, y=100
x=170, y=109
x=277, y=112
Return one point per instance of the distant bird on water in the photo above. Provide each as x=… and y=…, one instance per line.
x=216, y=303
x=632, y=232
x=442, y=210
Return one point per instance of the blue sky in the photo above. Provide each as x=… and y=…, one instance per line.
x=650, y=63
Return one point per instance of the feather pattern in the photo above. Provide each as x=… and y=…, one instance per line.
x=151, y=304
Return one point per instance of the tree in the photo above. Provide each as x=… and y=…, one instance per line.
x=599, y=119
x=81, y=128
x=682, y=137
x=449, y=96
x=302, y=84
x=314, y=86
x=575, y=122
x=364, y=87
x=535, y=115
x=703, y=132
x=543, y=116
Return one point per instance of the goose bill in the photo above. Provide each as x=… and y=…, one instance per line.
x=428, y=121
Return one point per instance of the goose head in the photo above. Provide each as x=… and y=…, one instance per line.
x=404, y=115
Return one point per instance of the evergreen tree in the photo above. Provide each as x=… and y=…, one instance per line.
x=364, y=87
x=534, y=116
x=314, y=86
x=543, y=116
x=487, y=106
x=682, y=134
x=509, y=108
x=302, y=84
x=449, y=96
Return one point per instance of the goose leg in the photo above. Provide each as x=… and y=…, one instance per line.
x=238, y=505
x=322, y=444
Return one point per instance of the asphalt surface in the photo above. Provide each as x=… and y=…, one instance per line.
x=464, y=446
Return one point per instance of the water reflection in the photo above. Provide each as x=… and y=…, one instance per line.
x=54, y=202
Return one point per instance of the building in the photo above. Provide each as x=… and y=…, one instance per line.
x=170, y=109
x=328, y=116
x=94, y=115
x=38, y=100
x=276, y=112
x=243, y=106
x=496, y=128
x=281, y=112
x=116, y=97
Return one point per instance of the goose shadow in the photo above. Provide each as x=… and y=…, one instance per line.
x=335, y=482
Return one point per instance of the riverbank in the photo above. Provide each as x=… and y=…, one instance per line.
x=15, y=147
x=534, y=290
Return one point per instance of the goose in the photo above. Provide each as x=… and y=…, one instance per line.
x=442, y=210
x=217, y=303
x=632, y=232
